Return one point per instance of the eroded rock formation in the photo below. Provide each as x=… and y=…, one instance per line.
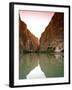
x=53, y=36
x=27, y=41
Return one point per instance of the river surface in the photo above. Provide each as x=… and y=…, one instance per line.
x=41, y=65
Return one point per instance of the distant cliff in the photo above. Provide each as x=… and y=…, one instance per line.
x=53, y=36
x=27, y=41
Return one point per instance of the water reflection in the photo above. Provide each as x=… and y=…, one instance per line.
x=36, y=73
x=33, y=65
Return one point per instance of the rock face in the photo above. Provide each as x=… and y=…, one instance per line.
x=27, y=41
x=53, y=36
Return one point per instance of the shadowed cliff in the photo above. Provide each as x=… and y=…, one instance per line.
x=27, y=41
x=53, y=36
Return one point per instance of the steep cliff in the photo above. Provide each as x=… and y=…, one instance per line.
x=27, y=41
x=53, y=36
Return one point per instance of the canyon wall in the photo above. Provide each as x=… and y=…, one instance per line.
x=53, y=36
x=27, y=41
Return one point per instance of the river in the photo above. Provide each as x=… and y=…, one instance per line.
x=41, y=65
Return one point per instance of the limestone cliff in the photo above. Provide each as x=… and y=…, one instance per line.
x=53, y=36
x=27, y=41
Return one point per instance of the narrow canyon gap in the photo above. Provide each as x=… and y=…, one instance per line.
x=36, y=21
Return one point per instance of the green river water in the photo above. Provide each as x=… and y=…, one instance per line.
x=41, y=65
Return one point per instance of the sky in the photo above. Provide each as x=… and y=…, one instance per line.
x=36, y=21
